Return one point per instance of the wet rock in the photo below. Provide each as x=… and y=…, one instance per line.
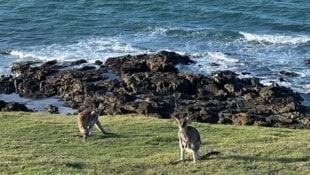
x=281, y=79
x=128, y=64
x=98, y=62
x=307, y=61
x=7, y=84
x=288, y=73
x=165, y=61
x=13, y=106
x=21, y=67
x=150, y=84
x=84, y=68
x=214, y=64
x=49, y=63
x=2, y=104
x=78, y=62
x=51, y=109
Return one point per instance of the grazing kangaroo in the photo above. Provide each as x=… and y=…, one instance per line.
x=189, y=139
x=86, y=121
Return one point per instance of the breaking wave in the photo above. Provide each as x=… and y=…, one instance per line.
x=89, y=49
x=276, y=38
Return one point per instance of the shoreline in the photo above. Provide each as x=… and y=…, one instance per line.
x=151, y=84
x=38, y=105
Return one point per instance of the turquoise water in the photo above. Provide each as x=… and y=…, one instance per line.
x=259, y=37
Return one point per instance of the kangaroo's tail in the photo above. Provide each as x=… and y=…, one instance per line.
x=209, y=154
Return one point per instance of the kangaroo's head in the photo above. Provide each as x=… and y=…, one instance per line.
x=182, y=122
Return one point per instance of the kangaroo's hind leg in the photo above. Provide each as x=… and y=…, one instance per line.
x=182, y=151
x=90, y=129
x=195, y=156
x=182, y=154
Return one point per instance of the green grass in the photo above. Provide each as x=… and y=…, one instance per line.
x=33, y=143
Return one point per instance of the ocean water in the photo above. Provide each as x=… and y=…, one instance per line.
x=257, y=37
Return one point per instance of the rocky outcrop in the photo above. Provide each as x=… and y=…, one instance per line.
x=13, y=106
x=150, y=84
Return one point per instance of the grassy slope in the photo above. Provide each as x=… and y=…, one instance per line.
x=33, y=143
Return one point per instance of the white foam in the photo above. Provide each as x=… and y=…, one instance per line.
x=204, y=63
x=221, y=57
x=158, y=31
x=150, y=34
x=295, y=86
x=306, y=88
x=27, y=55
x=276, y=39
x=91, y=49
x=274, y=53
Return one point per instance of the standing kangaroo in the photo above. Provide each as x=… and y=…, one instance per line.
x=86, y=121
x=189, y=139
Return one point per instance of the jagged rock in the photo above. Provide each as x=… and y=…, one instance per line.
x=78, y=62
x=7, y=84
x=307, y=61
x=150, y=84
x=288, y=73
x=98, y=63
x=13, y=106
x=49, y=63
x=51, y=109
x=165, y=61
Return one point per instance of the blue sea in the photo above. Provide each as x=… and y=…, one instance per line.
x=258, y=38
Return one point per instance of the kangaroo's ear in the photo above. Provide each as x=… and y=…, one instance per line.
x=93, y=113
x=188, y=120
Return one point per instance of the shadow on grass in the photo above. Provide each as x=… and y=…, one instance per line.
x=208, y=155
x=270, y=171
x=202, y=157
x=106, y=135
x=111, y=135
x=258, y=158
x=76, y=165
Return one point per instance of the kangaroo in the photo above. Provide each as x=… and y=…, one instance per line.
x=86, y=121
x=189, y=139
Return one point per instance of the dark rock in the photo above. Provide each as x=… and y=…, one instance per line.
x=307, y=61
x=174, y=58
x=51, y=109
x=7, y=84
x=2, y=104
x=84, y=68
x=151, y=85
x=165, y=61
x=282, y=79
x=13, y=106
x=214, y=64
x=128, y=64
x=49, y=63
x=98, y=62
x=5, y=52
x=20, y=67
x=78, y=62
x=245, y=73
x=289, y=73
